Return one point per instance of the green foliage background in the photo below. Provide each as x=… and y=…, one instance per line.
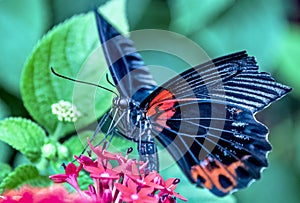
x=269, y=30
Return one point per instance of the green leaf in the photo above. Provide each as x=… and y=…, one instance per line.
x=5, y=170
x=22, y=24
x=23, y=175
x=23, y=135
x=72, y=49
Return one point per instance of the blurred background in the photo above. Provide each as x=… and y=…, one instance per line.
x=268, y=30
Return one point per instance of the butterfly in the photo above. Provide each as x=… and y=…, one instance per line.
x=204, y=116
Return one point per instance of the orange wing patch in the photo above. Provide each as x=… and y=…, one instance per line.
x=213, y=175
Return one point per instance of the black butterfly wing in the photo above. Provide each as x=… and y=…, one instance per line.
x=126, y=66
x=204, y=117
x=234, y=78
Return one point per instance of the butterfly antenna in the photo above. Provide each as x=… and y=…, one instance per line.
x=107, y=79
x=83, y=82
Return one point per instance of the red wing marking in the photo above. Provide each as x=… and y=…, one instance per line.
x=164, y=101
x=164, y=104
x=163, y=95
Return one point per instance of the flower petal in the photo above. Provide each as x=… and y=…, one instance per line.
x=146, y=191
x=179, y=196
x=124, y=190
x=71, y=168
x=58, y=178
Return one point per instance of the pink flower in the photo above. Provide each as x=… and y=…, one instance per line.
x=85, y=160
x=168, y=192
x=148, y=180
x=104, y=155
x=126, y=182
x=132, y=193
x=70, y=176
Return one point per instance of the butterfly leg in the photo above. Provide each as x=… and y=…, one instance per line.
x=111, y=129
x=98, y=129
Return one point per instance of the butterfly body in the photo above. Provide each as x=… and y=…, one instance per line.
x=204, y=116
x=134, y=124
x=133, y=117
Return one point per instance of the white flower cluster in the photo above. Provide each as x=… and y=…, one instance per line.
x=65, y=111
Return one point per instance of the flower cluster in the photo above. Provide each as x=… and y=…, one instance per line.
x=124, y=182
x=116, y=179
x=65, y=111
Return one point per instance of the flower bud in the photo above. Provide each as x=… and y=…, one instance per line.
x=63, y=151
x=49, y=151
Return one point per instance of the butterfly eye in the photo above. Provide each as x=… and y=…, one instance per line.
x=123, y=103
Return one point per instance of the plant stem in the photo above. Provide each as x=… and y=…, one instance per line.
x=57, y=133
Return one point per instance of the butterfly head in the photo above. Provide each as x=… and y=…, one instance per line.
x=121, y=102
